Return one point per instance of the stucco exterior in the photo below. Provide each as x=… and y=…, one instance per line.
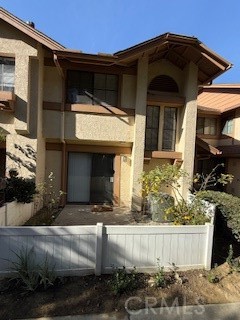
x=45, y=126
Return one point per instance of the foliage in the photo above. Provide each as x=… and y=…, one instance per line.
x=2, y=135
x=31, y=275
x=212, y=179
x=186, y=213
x=19, y=189
x=234, y=264
x=228, y=205
x=48, y=195
x=122, y=281
x=160, y=277
x=158, y=178
x=212, y=275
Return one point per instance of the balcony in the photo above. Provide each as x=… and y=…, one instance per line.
x=7, y=101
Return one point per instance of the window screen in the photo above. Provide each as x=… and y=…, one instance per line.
x=169, y=129
x=103, y=87
x=7, y=74
x=152, y=128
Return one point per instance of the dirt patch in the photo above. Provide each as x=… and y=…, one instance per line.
x=91, y=294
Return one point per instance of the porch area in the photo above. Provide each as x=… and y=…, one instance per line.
x=83, y=215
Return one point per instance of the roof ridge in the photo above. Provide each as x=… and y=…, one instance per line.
x=39, y=35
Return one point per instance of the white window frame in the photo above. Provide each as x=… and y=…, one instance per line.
x=7, y=85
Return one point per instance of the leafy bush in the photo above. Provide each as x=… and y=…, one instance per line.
x=122, y=281
x=185, y=213
x=229, y=207
x=19, y=189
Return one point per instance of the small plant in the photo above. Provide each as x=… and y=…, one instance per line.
x=159, y=278
x=234, y=264
x=47, y=274
x=25, y=267
x=212, y=275
x=31, y=275
x=47, y=194
x=123, y=281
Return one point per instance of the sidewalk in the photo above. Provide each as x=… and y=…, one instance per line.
x=228, y=311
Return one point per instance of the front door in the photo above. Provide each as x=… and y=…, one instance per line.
x=90, y=178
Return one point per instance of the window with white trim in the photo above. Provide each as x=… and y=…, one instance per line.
x=7, y=74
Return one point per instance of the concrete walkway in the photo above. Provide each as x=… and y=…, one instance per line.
x=82, y=215
x=228, y=311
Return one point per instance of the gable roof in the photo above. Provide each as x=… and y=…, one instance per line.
x=30, y=31
x=180, y=50
x=219, y=98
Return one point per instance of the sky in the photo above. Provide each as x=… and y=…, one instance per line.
x=111, y=25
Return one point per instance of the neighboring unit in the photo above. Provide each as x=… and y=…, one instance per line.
x=98, y=120
x=218, y=135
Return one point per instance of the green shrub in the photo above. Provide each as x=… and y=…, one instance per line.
x=19, y=189
x=184, y=213
x=228, y=205
x=123, y=281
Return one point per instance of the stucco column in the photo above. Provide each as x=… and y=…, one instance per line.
x=40, y=161
x=188, y=128
x=139, y=132
x=22, y=92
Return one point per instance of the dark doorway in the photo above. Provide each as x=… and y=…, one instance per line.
x=90, y=178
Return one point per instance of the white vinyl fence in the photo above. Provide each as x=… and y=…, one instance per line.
x=15, y=213
x=81, y=250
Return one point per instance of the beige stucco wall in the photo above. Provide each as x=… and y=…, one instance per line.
x=52, y=85
x=79, y=126
x=187, y=124
x=139, y=133
x=125, y=173
x=13, y=43
x=54, y=164
x=21, y=155
x=25, y=146
x=52, y=124
x=128, y=92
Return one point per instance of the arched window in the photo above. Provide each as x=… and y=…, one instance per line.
x=163, y=83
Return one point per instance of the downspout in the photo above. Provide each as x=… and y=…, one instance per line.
x=63, y=173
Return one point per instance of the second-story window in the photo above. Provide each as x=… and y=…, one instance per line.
x=207, y=126
x=92, y=88
x=169, y=129
x=7, y=74
x=161, y=123
x=152, y=128
x=227, y=126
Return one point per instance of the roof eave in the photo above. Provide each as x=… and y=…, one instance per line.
x=30, y=31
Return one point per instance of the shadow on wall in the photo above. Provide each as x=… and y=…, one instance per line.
x=26, y=159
